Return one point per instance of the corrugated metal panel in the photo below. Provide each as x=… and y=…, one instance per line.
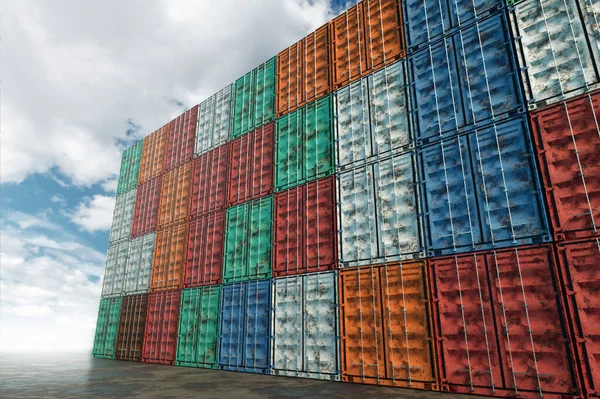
x=348, y=46
x=290, y=75
x=266, y=80
x=107, y=328
x=209, y=182
x=131, y=328
x=147, y=201
x=304, y=335
x=468, y=78
x=160, y=335
x=205, y=250
x=481, y=190
x=169, y=258
x=500, y=323
x=130, y=168
x=153, y=155
x=139, y=264
x=384, y=33
x=115, y=270
x=558, y=45
x=245, y=326
x=181, y=139
x=175, y=195
x=214, y=116
x=122, y=217
x=199, y=327
x=242, y=119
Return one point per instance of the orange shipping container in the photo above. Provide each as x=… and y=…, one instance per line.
x=153, y=155
x=175, y=195
x=169, y=258
x=385, y=324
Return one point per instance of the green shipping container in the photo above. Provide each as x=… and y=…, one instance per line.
x=264, y=106
x=107, y=328
x=130, y=168
x=248, y=241
x=199, y=327
x=305, y=144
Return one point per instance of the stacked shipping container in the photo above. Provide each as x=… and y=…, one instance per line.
x=408, y=196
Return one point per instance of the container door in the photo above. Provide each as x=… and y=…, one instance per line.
x=384, y=33
x=256, y=340
x=349, y=55
x=236, y=248
x=264, y=107
x=426, y=19
x=222, y=118
x=134, y=263
x=260, y=238
x=317, y=81
x=109, y=271
x=262, y=163
x=187, y=349
x=240, y=172
x=319, y=139
x=243, y=104
x=290, y=150
x=208, y=318
x=288, y=310
x=290, y=74
x=101, y=325
x=289, y=231
x=319, y=228
x=204, y=132
x=232, y=326
x=353, y=133
x=121, y=269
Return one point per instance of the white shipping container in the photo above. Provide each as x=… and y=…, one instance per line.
x=114, y=272
x=305, y=329
x=214, y=115
x=139, y=264
x=122, y=217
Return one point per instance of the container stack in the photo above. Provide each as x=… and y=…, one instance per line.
x=408, y=196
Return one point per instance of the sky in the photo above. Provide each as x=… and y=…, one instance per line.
x=82, y=81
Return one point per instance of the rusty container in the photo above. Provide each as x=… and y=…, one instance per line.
x=169, y=258
x=385, y=325
x=132, y=322
x=204, y=250
x=181, y=139
x=147, y=201
x=160, y=335
x=153, y=155
x=209, y=181
x=175, y=195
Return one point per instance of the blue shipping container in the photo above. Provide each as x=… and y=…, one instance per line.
x=245, y=326
x=481, y=190
x=469, y=78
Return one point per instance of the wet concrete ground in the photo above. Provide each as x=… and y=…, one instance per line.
x=81, y=376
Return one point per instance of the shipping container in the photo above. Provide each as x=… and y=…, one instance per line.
x=130, y=168
x=131, y=328
x=557, y=45
x=365, y=38
x=379, y=214
x=481, y=190
x=467, y=79
x=160, y=335
x=197, y=345
x=169, y=258
x=254, y=99
x=305, y=340
x=248, y=241
x=304, y=228
x=175, y=195
x=250, y=171
x=385, y=324
x=304, y=71
x=115, y=269
x=568, y=143
x=181, y=139
x=139, y=264
x=245, y=326
x=145, y=210
x=205, y=250
x=209, y=182
x=122, y=217
x=580, y=266
x=500, y=324
x=153, y=155
x=107, y=328
x=214, y=115
x=304, y=143
x=373, y=117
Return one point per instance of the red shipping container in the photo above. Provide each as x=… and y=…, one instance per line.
x=500, y=324
x=568, y=146
x=251, y=166
x=147, y=201
x=205, y=250
x=169, y=258
x=305, y=229
x=181, y=139
x=160, y=338
x=132, y=323
x=580, y=263
x=209, y=181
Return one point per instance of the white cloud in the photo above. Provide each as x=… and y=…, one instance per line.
x=58, y=199
x=94, y=214
x=76, y=72
x=110, y=185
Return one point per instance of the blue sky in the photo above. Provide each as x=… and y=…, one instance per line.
x=82, y=82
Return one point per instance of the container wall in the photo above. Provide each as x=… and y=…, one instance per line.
x=160, y=335
x=469, y=78
x=153, y=155
x=250, y=172
x=481, y=190
x=384, y=33
x=175, y=195
x=242, y=119
x=568, y=144
x=290, y=78
x=568, y=64
x=500, y=322
x=115, y=269
x=169, y=258
x=145, y=211
x=122, y=217
x=205, y=250
x=132, y=323
x=348, y=46
x=107, y=328
x=130, y=168
x=305, y=229
x=181, y=139
x=304, y=335
x=214, y=116
x=266, y=81
x=209, y=183
x=139, y=264
x=245, y=326
x=199, y=327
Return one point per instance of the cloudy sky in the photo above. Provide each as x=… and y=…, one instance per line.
x=81, y=81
